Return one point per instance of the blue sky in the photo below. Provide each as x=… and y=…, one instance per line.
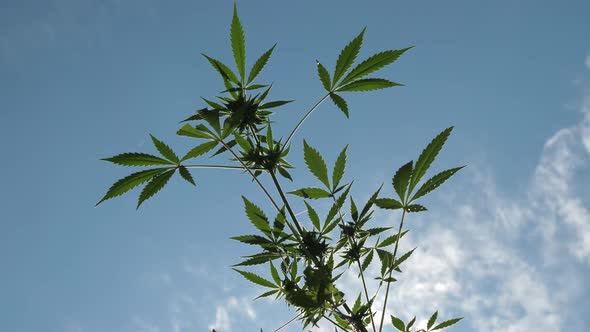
x=505, y=244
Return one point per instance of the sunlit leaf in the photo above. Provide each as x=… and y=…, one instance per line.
x=446, y=324
x=368, y=84
x=347, y=56
x=238, y=43
x=254, y=278
x=324, y=76
x=186, y=174
x=165, y=150
x=259, y=64
x=427, y=156
x=131, y=181
x=373, y=64
x=316, y=164
x=435, y=181
x=340, y=103
x=137, y=159
x=339, y=167
x=156, y=184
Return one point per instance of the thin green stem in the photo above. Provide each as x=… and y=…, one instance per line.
x=352, y=242
x=289, y=322
x=399, y=232
x=286, y=202
x=304, y=118
x=333, y=322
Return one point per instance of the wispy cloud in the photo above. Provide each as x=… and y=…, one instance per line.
x=225, y=313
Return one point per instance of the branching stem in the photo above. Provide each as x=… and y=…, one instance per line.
x=303, y=119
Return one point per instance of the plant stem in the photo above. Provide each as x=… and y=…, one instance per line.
x=401, y=225
x=259, y=184
x=353, y=243
x=304, y=118
x=333, y=322
x=282, y=194
x=289, y=322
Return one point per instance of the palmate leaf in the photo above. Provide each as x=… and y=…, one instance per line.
x=137, y=159
x=324, y=76
x=315, y=163
x=131, y=181
x=199, y=150
x=238, y=43
x=156, y=184
x=427, y=156
x=311, y=192
x=340, y=103
x=259, y=64
x=368, y=84
x=401, y=179
x=373, y=64
x=186, y=174
x=347, y=56
x=435, y=181
x=339, y=167
x=225, y=72
x=446, y=324
x=254, y=278
x=165, y=150
x=256, y=216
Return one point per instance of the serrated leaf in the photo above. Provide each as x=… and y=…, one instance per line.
x=313, y=216
x=446, y=324
x=190, y=131
x=347, y=56
x=415, y=208
x=391, y=240
x=336, y=206
x=340, y=103
x=212, y=118
x=373, y=64
x=269, y=293
x=256, y=279
x=137, y=159
x=367, y=260
x=432, y=320
x=258, y=259
x=165, y=150
x=401, y=179
x=284, y=173
x=427, y=156
x=411, y=323
x=388, y=203
x=186, y=175
x=377, y=230
x=275, y=274
x=238, y=43
x=199, y=150
x=225, y=72
x=435, y=181
x=368, y=84
x=251, y=239
x=402, y=258
x=256, y=216
x=339, y=167
x=242, y=142
x=129, y=182
x=193, y=117
x=398, y=323
x=324, y=76
x=156, y=184
x=259, y=64
x=315, y=163
x=276, y=103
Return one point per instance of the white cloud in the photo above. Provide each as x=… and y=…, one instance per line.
x=587, y=62
x=225, y=313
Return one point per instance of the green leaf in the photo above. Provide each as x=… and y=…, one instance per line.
x=269, y=293
x=388, y=203
x=256, y=216
x=401, y=179
x=221, y=68
x=242, y=142
x=415, y=208
x=446, y=323
x=391, y=240
x=165, y=150
x=367, y=260
x=347, y=56
x=186, y=175
x=316, y=164
x=284, y=173
x=435, y=181
x=275, y=274
x=339, y=167
x=432, y=320
x=269, y=138
x=275, y=104
x=199, y=150
x=251, y=239
x=259, y=64
x=402, y=258
x=156, y=184
x=428, y=155
x=137, y=159
x=311, y=192
x=258, y=259
x=324, y=76
x=129, y=182
x=373, y=64
x=212, y=118
x=313, y=216
x=190, y=131
x=256, y=279
x=238, y=43
x=398, y=323
x=340, y=103
x=368, y=84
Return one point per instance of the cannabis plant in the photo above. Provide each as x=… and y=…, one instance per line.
x=304, y=263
